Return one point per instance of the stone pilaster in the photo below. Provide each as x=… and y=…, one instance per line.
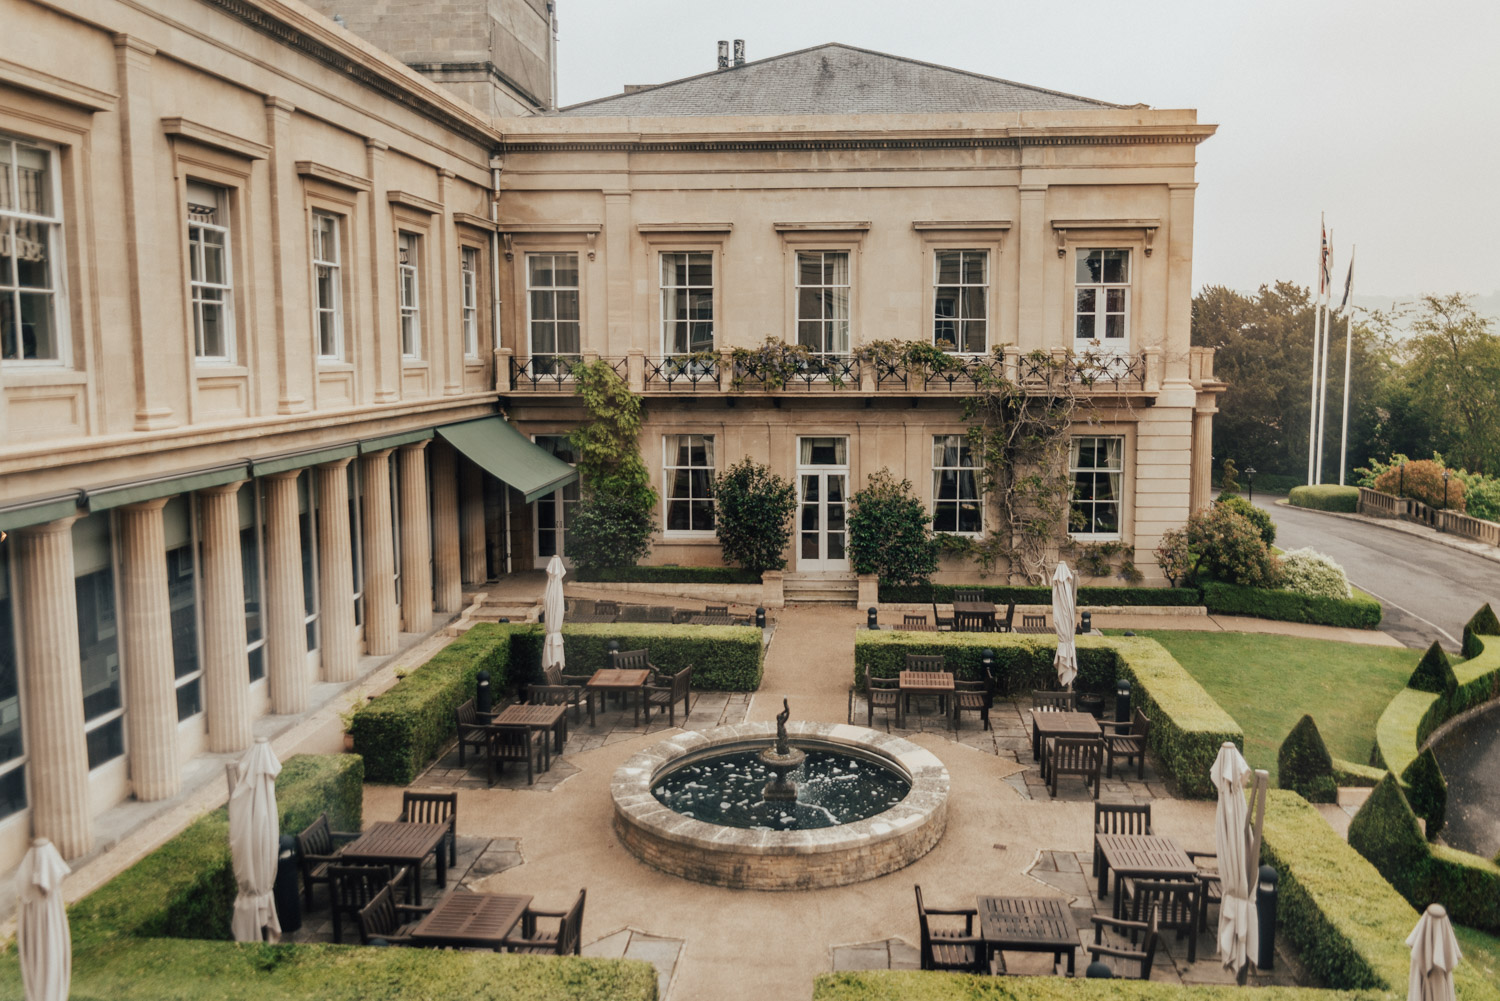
x=146, y=634
x=416, y=539
x=335, y=578
x=381, y=616
x=1200, y=486
x=226, y=668
x=286, y=611
x=476, y=568
x=447, y=585
x=59, y=761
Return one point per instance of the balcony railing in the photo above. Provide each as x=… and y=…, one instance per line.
x=682, y=372
x=832, y=372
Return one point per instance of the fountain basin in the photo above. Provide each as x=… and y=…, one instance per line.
x=751, y=858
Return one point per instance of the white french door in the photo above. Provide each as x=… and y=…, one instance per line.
x=822, y=503
x=551, y=515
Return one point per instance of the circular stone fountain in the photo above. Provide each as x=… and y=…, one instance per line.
x=867, y=803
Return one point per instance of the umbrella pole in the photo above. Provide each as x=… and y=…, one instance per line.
x=1252, y=863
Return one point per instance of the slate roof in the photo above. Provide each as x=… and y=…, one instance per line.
x=833, y=79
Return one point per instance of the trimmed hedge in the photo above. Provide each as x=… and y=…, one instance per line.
x=1349, y=773
x=1325, y=497
x=942, y=594
x=1385, y=831
x=1187, y=725
x=667, y=575
x=1428, y=790
x=1348, y=924
x=404, y=728
x=1304, y=765
x=914, y=985
x=1358, y=612
x=724, y=658
x=1434, y=672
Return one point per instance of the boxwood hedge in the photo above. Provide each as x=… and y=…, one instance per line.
x=724, y=658
x=667, y=575
x=1304, y=765
x=1358, y=612
x=1325, y=497
x=913, y=985
x=942, y=594
x=1188, y=726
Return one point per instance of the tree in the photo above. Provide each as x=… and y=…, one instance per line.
x=613, y=523
x=753, y=516
x=1453, y=372
x=888, y=531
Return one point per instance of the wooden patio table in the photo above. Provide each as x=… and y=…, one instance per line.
x=1063, y=724
x=611, y=679
x=974, y=607
x=398, y=843
x=939, y=683
x=1029, y=924
x=464, y=920
x=1139, y=856
x=587, y=617
x=711, y=620
x=538, y=717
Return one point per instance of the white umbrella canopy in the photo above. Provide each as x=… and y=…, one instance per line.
x=1434, y=955
x=1064, y=602
x=1239, y=930
x=553, y=608
x=254, y=842
x=42, y=937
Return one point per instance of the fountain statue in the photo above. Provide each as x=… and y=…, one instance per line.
x=781, y=759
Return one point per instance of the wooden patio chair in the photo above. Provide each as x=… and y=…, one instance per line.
x=472, y=731
x=1005, y=625
x=564, y=690
x=972, y=622
x=606, y=608
x=632, y=660
x=1129, y=744
x=678, y=688
x=354, y=886
x=1174, y=904
x=580, y=606
x=1043, y=701
x=1081, y=756
x=318, y=847
x=1033, y=623
x=566, y=940
x=515, y=743
x=968, y=595
x=1119, y=818
x=660, y=613
x=928, y=662
x=940, y=620
x=908, y=619
x=974, y=696
x=633, y=613
x=878, y=693
x=433, y=808
x=1210, y=886
x=715, y=609
x=383, y=918
x=1123, y=931
x=948, y=948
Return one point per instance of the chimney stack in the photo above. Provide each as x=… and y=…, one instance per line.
x=723, y=54
x=739, y=52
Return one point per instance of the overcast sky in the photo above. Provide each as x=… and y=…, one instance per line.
x=1384, y=115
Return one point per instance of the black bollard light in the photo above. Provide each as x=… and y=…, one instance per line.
x=285, y=891
x=874, y=619
x=1098, y=971
x=610, y=649
x=1086, y=623
x=1122, y=700
x=484, y=699
x=760, y=617
x=541, y=615
x=1265, y=906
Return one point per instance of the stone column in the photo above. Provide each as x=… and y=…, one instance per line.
x=146, y=634
x=476, y=568
x=226, y=667
x=336, y=577
x=50, y=673
x=381, y=622
x=286, y=609
x=447, y=586
x=416, y=539
x=1200, y=486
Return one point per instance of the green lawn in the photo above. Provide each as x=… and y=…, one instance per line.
x=1267, y=682
x=1480, y=949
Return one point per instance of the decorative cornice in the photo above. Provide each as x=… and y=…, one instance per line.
x=332, y=175
x=685, y=227
x=416, y=202
x=588, y=230
x=207, y=135
x=477, y=221
x=944, y=225
x=1061, y=227
x=821, y=227
x=55, y=87
x=749, y=145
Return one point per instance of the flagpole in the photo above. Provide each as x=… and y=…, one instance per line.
x=1312, y=406
x=1323, y=363
x=1348, y=351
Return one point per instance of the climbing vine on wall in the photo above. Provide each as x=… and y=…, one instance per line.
x=613, y=523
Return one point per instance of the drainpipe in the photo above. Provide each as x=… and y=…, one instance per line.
x=552, y=53
x=497, y=164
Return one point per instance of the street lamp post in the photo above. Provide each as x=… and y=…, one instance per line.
x=1250, y=482
x=1445, y=492
x=1401, y=480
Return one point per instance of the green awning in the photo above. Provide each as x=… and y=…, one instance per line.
x=301, y=460
x=393, y=441
x=135, y=491
x=505, y=454
x=37, y=510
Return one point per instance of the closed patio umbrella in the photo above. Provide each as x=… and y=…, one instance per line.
x=1434, y=955
x=1064, y=601
x=1239, y=938
x=254, y=841
x=42, y=938
x=553, y=608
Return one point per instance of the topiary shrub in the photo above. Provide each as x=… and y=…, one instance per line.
x=1427, y=790
x=1434, y=672
x=888, y=531
x=1325, y=497
x=1310, y=572
x=1230, y=548
x=610, y=528
x=1257, y=517
x=1304, y=765
x=753, y=516
x=1423, y=480
x=613, y=523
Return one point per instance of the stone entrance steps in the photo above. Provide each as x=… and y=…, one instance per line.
x=821, y=588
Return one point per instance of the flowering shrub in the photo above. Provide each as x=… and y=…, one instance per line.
x=1423, y=480
x=1260, y=519
x=1230, y=548
x=1173, y=556
x=1309, y=572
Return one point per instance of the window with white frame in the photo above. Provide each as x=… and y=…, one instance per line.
x=1102, y=287
x=687, y=303
x=208, y=272
x=328, y=294
x=823, y=301
x=689, y=478
x=32, y=317
x=1096, y=463
x=957, y=507
x=552, y=307
x=470, y=300
x=408, y=256
x=960, y=300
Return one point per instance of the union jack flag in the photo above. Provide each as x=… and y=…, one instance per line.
x=1325, y=265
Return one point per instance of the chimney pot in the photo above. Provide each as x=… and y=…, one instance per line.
x=739, y=52
x=723, y=54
